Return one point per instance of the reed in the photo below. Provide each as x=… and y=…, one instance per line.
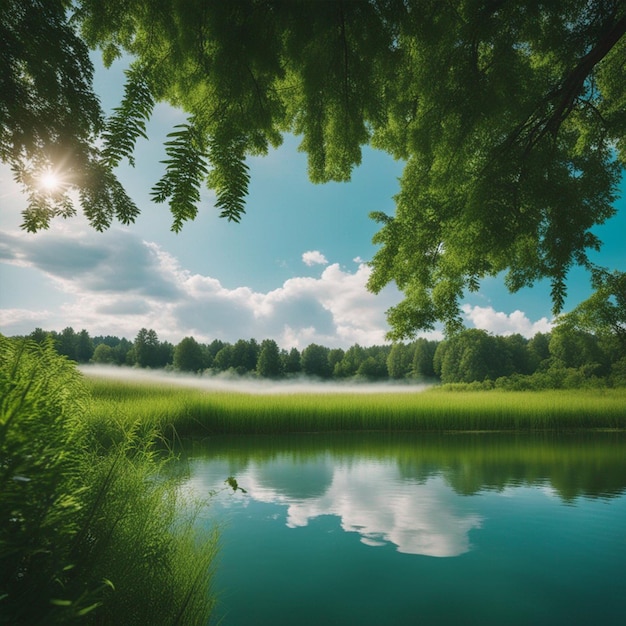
x=176, y=411
x=92, y=530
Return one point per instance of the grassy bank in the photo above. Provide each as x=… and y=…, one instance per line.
x=92, y=531
x=191, y=412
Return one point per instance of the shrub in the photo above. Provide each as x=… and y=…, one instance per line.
x=87, y=532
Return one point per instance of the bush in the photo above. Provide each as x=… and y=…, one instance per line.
x=87, y=533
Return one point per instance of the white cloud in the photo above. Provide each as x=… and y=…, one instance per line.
x=32, y=319
x=314, y=257
x=116, y=283
x=499, y=323
x=418, y=519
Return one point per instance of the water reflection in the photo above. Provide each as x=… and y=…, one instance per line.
x=406, y=490
x=535, y=523
x=369, y=498
x=416, y=518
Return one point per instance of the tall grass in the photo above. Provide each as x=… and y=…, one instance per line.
x=177, y=411
x=91, y=531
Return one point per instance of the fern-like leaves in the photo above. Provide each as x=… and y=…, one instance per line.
x=128, y=121
x=104, y=197
x=186, y=168
x=229, y=177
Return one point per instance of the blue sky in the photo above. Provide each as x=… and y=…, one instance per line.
x=293, y=270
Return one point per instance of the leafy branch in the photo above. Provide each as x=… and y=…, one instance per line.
x=186, y=169
x=229, y=177
x=128, y=121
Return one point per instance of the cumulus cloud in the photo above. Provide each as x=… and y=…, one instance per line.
x=116, y=283
x=314, y=257
x=335, y=309
x=499, y=323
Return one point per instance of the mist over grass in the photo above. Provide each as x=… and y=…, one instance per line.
x=180, y=410
x=225, y=382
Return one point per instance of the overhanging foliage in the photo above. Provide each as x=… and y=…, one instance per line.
x=510, y=117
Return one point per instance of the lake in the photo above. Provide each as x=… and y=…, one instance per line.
x=417, y=529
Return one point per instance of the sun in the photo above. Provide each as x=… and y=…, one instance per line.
x=50, y=181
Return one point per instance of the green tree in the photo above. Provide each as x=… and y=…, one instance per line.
x=84, y=347
x=124, y=353
x=372, y=368
x=539, y=349
x=314, y=361
x=223, y=358
x=146, y=348
x=515, y=355
x=352, y=359
x=604, y=313
x=472, y=355
x=575, y=348
x=269, y=364
x=39, y=335
x=423, y=358
x=66, y=343
x=103, y=354
x=165, y=354
x=368, y=368
x=244, y=355
x=50, y=117
x=188, y=356
x=508, y=115
x=335, y=357
x=214, y=347
x=398, y=361
x=291, y=361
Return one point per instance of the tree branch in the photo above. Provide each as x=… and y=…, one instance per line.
x=573, y=84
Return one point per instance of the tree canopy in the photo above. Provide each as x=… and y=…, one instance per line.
x=510, y=118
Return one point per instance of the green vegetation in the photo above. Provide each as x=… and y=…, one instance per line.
x=177, y=411
x=92, y=525
x=509, y=117
x=91, y=530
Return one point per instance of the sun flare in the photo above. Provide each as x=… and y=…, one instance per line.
x=50, y=181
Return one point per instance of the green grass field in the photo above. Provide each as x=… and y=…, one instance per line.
x=191, y=412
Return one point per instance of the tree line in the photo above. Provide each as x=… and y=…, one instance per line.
x=566, y=357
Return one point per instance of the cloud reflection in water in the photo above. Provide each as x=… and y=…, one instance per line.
x=370, y=498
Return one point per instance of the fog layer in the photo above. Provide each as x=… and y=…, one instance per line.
x=247, y=384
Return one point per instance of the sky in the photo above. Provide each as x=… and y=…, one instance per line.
x=294, y=270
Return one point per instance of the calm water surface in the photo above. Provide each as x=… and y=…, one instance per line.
x=414, y=529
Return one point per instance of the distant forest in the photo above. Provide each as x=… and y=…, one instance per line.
x=564, y=358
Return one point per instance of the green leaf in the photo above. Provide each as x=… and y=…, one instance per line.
x=128, y=121
x=186, y=168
